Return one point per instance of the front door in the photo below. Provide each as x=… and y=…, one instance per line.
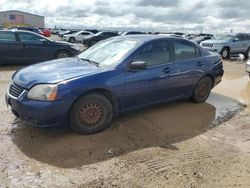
x=154, y=83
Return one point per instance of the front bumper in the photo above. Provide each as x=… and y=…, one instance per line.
x=39, y=113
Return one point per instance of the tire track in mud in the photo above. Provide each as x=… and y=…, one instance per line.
x=190, y=151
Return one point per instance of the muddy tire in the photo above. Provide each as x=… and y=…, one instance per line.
x=91, y=114
x=225, y=53
x=72, y=40
x=202, y=90
x=62, y=54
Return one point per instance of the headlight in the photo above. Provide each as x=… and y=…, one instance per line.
x=43, y=92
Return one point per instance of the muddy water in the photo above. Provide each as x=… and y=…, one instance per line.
x=236, y=83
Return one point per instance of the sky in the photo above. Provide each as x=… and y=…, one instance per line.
x=150, y=15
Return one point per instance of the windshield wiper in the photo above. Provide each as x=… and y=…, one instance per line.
x=90, y=61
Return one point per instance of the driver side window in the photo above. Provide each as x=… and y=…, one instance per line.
x=154, y=53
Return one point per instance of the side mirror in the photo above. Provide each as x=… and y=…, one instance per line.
x=137, y=65
x=44, y=41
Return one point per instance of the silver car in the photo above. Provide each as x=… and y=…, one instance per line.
x=229, y=44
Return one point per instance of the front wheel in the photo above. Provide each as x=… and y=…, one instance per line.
x=62, y=54
x=225, y=53
x=91, y=114
x=247, y=54
x=202, y=90
x=72, y=40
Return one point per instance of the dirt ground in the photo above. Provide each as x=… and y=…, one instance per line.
x=179, y=144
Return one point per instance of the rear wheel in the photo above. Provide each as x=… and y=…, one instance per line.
x=247, y=54
x=62, y=54
x=72, y=40
x=202, y=90
x=90, y=114
x=225, y=53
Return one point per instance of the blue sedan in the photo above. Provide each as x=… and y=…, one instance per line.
x=114, y=76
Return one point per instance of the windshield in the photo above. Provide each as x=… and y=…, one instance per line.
x=224, y=37
x=108, y=53
x=199, y=38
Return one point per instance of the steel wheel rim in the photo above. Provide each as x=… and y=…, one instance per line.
x=224, y=53
x=91, y=114
x=63, y=55
x=202, y=90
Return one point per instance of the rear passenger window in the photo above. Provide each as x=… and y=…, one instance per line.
x=7, y=37
x=154, y=54
x=27, y=37
x=185, y=51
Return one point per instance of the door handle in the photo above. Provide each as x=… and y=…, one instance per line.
x=199, y=63
x=166, y=70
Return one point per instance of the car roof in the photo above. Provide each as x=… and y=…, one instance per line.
x=148, y=37
x=18, y=31
x=21, y=31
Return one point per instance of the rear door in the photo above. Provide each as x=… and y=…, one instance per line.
x=239, y=44
x=34, y=48
x=155, y=82
x=83, y=35
x=10, y=48
x=189, y=68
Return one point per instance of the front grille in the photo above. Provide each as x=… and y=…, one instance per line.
x=207, y=45
x=15, y=90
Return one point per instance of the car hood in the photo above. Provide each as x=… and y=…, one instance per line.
x=54, y=71
x=216, y=41
x=63, y=43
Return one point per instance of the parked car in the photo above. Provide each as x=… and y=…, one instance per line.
x=56, y=31
x=24, y=47
x=206, y=34
x=98, y=37
x=114, y=76
x=248, y=67
x=171, y=35
x=92, y=30
x=35, y=30
x=199, y=39
x=67, y=33
x=78, y=36
x=46, y=32
x=61, y=33
x=133, y=33
x=229, y=44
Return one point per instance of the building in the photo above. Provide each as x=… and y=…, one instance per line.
x=18, y=18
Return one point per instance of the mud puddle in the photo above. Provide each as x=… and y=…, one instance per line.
x=157, y=126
